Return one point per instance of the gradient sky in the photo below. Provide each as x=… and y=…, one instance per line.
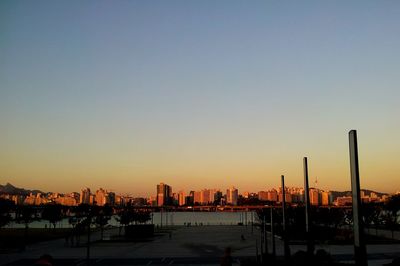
x=198, y=94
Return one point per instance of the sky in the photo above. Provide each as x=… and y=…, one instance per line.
x=198, y=94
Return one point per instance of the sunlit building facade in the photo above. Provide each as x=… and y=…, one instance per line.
x=232, y=195
x=164, y=194
x=85, y=196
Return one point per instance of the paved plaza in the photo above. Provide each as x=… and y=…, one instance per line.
x=195, y=245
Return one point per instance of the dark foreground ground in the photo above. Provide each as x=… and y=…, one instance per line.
x=201, y=245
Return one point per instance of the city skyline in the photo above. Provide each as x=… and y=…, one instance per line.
x=200, y=94
x=186, y=192
x=166, y=196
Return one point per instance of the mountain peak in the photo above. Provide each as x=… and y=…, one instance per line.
x=8, y=188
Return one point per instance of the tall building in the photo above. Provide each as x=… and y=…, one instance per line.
x=101, y=199
x=263, y=195
x=85, y=196
x=314, y=196
x=326, y=198
x=288, y=197
x=273, y=195
x=181, y=198
x=197, y=197
x=111, y=198
x=190, y=198
x=218, y=197
x=214, y=196
x=164, y=194
x=232, y=195
x=205, y=196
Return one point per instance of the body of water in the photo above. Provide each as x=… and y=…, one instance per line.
x=169, y=218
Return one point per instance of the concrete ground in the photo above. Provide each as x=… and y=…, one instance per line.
x=196, y=245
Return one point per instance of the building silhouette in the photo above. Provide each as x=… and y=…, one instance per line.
x=164, y=194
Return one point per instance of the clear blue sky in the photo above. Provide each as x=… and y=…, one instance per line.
x=126, y=94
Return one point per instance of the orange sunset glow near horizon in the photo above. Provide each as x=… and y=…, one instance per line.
x=125, y=95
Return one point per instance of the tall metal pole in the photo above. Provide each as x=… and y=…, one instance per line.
x=360, y=252
x=272, y=232
x=310, y=244
x=265, y=233
x=252, y=222
x=161, y=212
x=284, y=233
x=166, y=217
x=261, y=242
x=89, y=221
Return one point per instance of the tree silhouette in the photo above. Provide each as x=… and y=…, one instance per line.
x=391, y=216
x=141, y=217
x=102, y=216
x=52, y=213
x=124, y=217
x=81, y=220
x=371, y=214
x=6, y=207
x=128, y=215
x=26, y=214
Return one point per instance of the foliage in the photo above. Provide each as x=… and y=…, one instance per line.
x=6, y=207
x=101, y=216
x=25, y=214
x=129, y=215
x=393, y=205
x=391, y=216
x=52, y=213
x=372, y=214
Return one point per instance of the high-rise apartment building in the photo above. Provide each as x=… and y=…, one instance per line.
x=164, y=194
x=204, y=196
x=232, y=195
x=214, y=196
x=197, y=197
x=110, y=198
x=218, y=197
x=190, y=198
x=101, y=199
x=326, y=198
x=181, y=198
x=263, y=195
x=273, y=195
x=314, y=196
x=85, y=196
x=288, y=197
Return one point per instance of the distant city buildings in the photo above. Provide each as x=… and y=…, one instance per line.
x=343, y=201
x=204, y=197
